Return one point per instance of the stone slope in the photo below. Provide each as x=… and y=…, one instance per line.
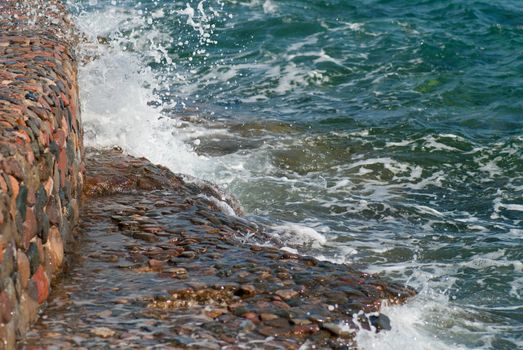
x=164, y=266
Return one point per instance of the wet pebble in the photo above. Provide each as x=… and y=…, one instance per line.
x=103, y=332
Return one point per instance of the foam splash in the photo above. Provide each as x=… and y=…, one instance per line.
x=118, y=87
x=299, y=235
x=409, y=330
x=432, y=322
x=129, y=123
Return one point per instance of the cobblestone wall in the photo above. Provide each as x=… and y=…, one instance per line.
x=41, y=165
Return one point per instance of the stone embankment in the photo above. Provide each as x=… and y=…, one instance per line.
x=41, y=171
x=163, y=260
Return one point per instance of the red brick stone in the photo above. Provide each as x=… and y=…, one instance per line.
x=22, y=134
x=59, y=137
x=42, y=284
x=64, y=99
x=62, y=165
x=15, y=187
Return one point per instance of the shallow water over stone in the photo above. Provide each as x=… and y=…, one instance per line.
x=161, y=265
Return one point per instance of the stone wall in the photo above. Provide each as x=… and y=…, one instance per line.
x=41, y=156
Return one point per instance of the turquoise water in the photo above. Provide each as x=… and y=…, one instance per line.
x=385, y=134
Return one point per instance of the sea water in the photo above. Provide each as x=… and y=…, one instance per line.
x=383, y=134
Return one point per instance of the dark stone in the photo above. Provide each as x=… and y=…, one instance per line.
x=364, y=322
x=381, y=322
x=31, y=96
x=41, y=199
x=34, y=257
x=43, y=228
x=53, y=147
x=21, y=202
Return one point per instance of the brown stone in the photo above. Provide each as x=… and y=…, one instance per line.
x=30, y=226
x=49, y=186
x=31, y=198
x=147, y=237
x=281, y=305
x=277, y=322
x=286, y=294
x=156, y=264
x=152, y=229
x=247, y=289
x=56, y=247
x=6, y=308
x=40, y=248
x=215, y=313
x=306, y=329
x=267, y=316
x=53, y=211
x=3, y=185
x=12, y=167
x=23, y=268
x=252, y=316
x=7, y=258
x=103, y=332
x=268, y=331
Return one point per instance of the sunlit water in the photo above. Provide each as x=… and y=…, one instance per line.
x=385, y=134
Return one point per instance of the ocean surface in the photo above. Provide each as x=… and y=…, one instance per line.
x=386, y=134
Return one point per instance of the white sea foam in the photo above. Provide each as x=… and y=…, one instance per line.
x=112, y=118
x=410, y=328
x=299, y=235
x=117, y=88
x=221, y=204
x=434, y=144
x=269, y=7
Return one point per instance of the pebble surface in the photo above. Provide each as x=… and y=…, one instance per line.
x=162, y=266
